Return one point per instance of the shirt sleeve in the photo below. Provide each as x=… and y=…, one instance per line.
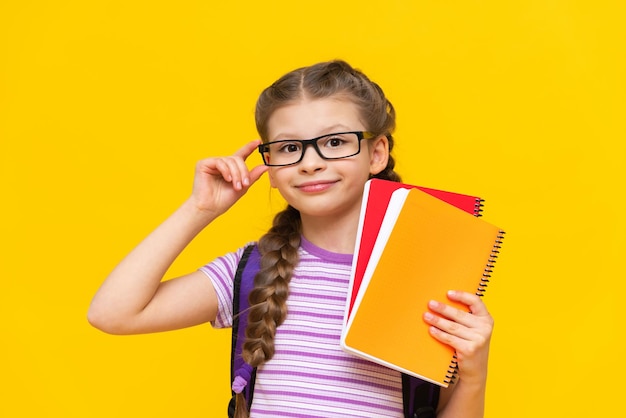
x=221, y=272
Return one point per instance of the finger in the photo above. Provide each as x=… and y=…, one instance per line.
x=462, y=345
x=451, y=313
x=446, y=337
x=257, y=172
x=449, y=327
x=240, y=156
x=222, y=167
x=472, y=301
x=237, y=170
x=245, y=151
x=460, y=337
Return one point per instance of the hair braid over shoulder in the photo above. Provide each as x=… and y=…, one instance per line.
x=268, y=308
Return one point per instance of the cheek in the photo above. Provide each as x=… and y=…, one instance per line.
x=272, y=176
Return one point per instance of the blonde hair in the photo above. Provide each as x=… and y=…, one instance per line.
x=279, y=246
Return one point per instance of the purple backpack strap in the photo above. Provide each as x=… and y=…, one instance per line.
x=241, y=373
x=420, y=398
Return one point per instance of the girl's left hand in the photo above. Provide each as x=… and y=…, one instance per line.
x=469, y=333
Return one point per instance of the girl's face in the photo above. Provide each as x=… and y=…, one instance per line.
x=315, y=186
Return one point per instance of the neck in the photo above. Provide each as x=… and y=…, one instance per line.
x=335, y=234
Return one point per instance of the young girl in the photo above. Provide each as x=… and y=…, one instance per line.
x=296, y=313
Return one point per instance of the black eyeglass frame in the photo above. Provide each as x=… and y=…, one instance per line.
x=264, y=148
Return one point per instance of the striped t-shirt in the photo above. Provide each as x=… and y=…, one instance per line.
x=310, y=375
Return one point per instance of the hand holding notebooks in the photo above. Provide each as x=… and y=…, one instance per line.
x=424, y=248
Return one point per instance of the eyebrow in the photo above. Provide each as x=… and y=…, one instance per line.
x=326, y=131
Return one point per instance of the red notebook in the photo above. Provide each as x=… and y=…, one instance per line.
x=376, y=197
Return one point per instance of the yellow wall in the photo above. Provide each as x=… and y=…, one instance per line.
x=106, y=105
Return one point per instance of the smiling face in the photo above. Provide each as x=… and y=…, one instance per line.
x=318, y=187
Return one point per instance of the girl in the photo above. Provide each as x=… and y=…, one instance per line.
x=294, y=322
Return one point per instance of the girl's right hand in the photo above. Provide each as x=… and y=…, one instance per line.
x=220, y=181
x=134, y=299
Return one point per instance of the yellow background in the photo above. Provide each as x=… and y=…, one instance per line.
x=106, y=105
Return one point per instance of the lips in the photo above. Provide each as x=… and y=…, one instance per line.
x=315, y=186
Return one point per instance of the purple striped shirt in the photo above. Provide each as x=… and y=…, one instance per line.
x=310, y=375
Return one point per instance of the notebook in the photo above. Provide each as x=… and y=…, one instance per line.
x=371, y=217
x=424, y=247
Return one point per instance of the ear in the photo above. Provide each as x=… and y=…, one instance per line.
x=379, y=154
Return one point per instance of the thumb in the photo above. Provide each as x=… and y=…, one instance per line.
x=257, y=172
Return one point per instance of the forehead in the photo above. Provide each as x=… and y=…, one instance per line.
x=308, y=118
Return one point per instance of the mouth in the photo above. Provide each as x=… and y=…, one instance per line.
x=315, y=186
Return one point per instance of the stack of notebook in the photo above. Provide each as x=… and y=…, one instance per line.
x=414, y=244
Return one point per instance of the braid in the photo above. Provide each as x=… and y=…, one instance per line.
x=388, y=172
x=268, y=301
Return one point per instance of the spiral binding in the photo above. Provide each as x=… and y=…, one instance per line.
x=478, y=207
x=484, y=281
x=453, y=371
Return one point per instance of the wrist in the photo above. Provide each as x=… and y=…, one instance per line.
x=472, y=384
x=195, y=215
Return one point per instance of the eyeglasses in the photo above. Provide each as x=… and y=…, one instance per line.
x=329, y=147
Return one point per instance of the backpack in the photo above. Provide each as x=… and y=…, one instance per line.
x=419, y=398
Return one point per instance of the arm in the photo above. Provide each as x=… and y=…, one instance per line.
x=133, y=299
x=469, y=333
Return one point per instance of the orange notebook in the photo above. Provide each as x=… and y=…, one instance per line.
x=424, y=248
x=376, y=196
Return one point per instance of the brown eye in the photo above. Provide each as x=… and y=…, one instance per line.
x=334, y=141
x=287, y=147
x=291, y=148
